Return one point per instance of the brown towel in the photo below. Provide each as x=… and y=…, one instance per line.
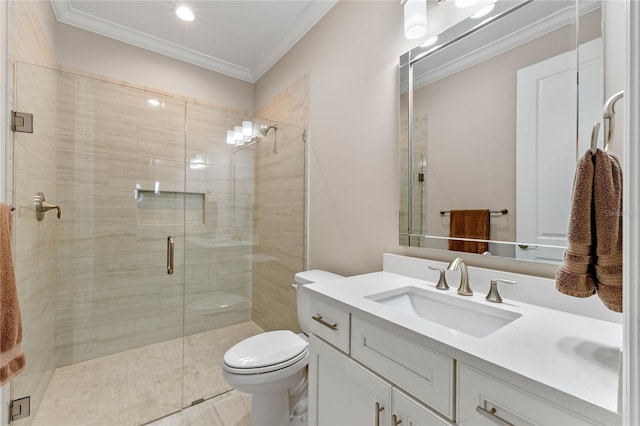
x=593, y=258
x=607, y=194
x=575, y=277
x=12, y=359
x=469, y=224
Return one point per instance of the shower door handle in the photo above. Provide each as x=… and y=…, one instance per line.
x=170, y=247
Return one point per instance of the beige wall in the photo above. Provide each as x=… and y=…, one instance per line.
x=351, y=58
x=353, y=126
x=77, y=49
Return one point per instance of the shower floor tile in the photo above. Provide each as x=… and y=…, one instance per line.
x=229, y=409
x=143, y=384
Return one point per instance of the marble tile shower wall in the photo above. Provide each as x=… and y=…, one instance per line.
x=420, y=208
x=279, y=227
x=115, y=151
x=35, y=241
x=32, y=158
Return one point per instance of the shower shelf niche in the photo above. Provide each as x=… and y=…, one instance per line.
x=167, y=206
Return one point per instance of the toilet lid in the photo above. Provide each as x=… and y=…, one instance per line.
x=265, y=351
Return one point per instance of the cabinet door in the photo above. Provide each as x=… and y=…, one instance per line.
x=409, y=412
x=341, y=392
x=485, y=401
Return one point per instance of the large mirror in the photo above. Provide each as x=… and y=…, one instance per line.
x=493, y=120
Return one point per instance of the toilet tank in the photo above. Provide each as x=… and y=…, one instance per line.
x=302, y=297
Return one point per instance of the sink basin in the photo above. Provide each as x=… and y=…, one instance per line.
x=457, y=313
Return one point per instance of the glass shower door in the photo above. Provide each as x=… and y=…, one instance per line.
x=115, y=165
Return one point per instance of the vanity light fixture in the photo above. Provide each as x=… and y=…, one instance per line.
x=415, y=18
x=247, y=128
x=237, y=133
x=184, y=13
x=231, y=139
x=242, y=134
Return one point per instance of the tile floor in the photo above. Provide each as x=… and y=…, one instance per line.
x=229, y=409
x=144, y=384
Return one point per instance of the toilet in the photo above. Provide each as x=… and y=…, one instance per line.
x=271, y=366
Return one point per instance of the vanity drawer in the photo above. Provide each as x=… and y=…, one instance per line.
x=424, y=373
x=483, y=400
x=330, y=323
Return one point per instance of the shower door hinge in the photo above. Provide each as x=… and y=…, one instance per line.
x=19, y=408
x=21, y=122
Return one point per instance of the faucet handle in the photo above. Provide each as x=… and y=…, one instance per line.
x=493, y=295
x=442, y=281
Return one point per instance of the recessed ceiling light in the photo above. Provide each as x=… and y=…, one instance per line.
x=184, y=13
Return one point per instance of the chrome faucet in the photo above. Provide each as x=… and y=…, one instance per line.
x=463, y=288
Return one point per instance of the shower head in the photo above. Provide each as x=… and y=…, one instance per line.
x=264, y=129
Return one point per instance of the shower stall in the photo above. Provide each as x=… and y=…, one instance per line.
x=131, y=297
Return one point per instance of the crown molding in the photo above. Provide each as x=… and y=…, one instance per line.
x=67, y=14
x=311, y=15
x=496, y=47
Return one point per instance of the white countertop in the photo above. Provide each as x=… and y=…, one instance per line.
x=554, y=354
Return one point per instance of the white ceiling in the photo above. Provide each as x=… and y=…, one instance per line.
x=239, y=38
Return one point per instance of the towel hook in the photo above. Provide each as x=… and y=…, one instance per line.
x=608, y=111
x=594, y=137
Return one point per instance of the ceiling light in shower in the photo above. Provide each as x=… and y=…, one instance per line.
x=415, y=18
x=184, y=13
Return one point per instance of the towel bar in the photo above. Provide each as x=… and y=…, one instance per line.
x=501, y=212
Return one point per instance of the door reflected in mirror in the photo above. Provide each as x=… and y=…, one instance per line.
x=490, y=122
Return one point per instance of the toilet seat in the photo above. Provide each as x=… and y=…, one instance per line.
x=266, y=352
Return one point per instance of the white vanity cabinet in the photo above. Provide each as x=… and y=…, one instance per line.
x=344, y=393
x=485, y=401
x=372, y=365
x=426, y=374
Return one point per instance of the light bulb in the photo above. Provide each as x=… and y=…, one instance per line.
x=184, y=13
x=415, y=19
x=237, y=133
x=247, y=128
x=231, y=137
